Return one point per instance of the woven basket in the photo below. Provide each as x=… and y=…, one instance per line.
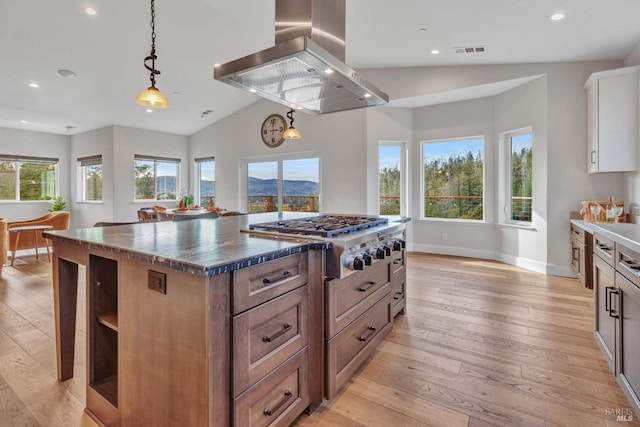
x=585, y=211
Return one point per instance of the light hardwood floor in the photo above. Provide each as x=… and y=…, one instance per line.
x=482, y=344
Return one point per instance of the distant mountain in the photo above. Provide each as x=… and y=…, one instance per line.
x=166, y=181
x=259, y=186
x=207, y=187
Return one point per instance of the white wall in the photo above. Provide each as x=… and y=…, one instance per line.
x=38, y=144
x=99, y=141
x=568, y=182
x=634, y=57
x=339, y=139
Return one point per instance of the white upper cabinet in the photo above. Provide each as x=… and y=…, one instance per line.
x=612, y=120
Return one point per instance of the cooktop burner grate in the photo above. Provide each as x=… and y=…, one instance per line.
x=323, y=226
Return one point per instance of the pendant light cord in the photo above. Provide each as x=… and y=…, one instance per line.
x=290, y=117
x=152, y=57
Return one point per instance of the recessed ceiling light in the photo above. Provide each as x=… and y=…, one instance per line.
x=329, y=71
x=23, y=121
x=216, y=65
x=69, y=128
x=34, y=84
x=559, y=16
x=66, y=73
x=252, y=90
x=367, y=95
x=89, y=11
x=149, y=110
x=423, y=29
x=435, y=52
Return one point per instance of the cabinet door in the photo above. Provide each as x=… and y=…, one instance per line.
x=592, y=128
x=629, y=340
x=604, y=322
x=577, y=258
x=617, y=123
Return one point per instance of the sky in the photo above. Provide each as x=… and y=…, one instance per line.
x=299, y=169
x=442, y=150
x=521, y=141
x=389, y=156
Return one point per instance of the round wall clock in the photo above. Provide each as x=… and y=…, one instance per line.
x=272, y=129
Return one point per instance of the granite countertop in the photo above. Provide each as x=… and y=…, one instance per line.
x=203, y=246
x=586, y=226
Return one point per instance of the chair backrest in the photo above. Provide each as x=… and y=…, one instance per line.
x=188, y=216
x=163, y=216
x=143, y=215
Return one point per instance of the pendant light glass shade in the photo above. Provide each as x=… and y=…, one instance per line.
x=291, y=133
x=152, y=98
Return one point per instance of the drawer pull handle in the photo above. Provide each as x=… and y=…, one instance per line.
x=283, y=276
x=373, y=331
x=287, y=396
x=286, y=327
x=603, y=246
x=397, y=261
x=398, y=295
x=366, y=287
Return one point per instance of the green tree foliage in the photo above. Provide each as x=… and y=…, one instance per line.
x=144, y=178
x=93, y=182
x=453, y=188
x=389, y=191
x=522, y=172
x=7, y=181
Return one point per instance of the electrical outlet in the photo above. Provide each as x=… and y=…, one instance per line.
x=444, y=236
x=157, y=281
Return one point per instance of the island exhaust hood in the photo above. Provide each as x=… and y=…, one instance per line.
x=305, y=69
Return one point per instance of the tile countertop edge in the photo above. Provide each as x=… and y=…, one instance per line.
x=195, y=268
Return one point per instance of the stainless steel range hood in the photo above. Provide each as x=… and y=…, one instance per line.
x=299, y=71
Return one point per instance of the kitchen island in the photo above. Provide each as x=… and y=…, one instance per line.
x=193, y=322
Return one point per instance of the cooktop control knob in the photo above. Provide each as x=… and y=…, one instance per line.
x=379, y=253
x=397, y=245
x=387, y=250
x=355, y=263
x=368, y=259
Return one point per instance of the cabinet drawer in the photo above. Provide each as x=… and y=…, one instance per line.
x=278, y=399
x=577, y=231
x=262, y=282
x=398, y=289
x=628, y=263
x=266, y=336
x=604, y=248
x=348, y=298
x=397, y=265
x=351, y=347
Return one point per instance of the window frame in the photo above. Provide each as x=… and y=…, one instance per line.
x=82, y=163
x=403, y=174
x=279, y=159
x=422, y=216
x=198, y=178
x=156, y=160
x=18, y=161
x=506, y=178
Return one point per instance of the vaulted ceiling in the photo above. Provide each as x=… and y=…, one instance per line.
x=106, y=50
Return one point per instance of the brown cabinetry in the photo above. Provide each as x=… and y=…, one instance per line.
x=270, y=342
x=102, y=366
x=604, y=322
x=581, y=261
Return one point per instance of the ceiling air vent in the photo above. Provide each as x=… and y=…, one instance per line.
x=470, y=49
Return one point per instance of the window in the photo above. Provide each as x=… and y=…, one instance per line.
x=291, y=184
x=453, y=179
x=28, y=178
x=206, y=180
x=156, y=178
x=91, y=178
x=391, y=181
x=518, y=198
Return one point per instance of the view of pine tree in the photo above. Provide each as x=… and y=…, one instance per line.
x=93, y=182
x=145, y=185
x=453, y=188
x=521, y=170
x=36, y=181
x=7, y=180
x=389, y=191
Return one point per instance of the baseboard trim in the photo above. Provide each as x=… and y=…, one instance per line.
x=529, y=264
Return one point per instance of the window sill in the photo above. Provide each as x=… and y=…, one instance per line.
x=519, y=226
x=454, y=221
x=91, y=202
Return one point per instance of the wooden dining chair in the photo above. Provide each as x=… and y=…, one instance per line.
x=143, y=215
x=163, y=216
x=188, y=216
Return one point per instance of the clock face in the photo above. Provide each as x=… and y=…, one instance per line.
x=272, y=129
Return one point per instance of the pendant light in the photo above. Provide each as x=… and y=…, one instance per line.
x=152, y=97
x=291, y=133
